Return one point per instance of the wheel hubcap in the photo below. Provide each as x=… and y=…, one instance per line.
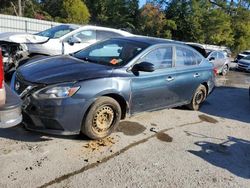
x=103, y=118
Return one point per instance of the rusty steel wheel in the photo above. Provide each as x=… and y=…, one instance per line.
x=198, y=97
x=102, y=118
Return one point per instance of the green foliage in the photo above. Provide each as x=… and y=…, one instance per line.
x=218, y=29
x=114, y=13
x=75, y=11
x=241, y=28
x=154, y=23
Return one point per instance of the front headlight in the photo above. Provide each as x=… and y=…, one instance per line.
x=56, y=92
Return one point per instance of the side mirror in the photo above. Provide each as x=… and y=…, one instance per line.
x=211, y=59
x=72, y=40
x=144, y=66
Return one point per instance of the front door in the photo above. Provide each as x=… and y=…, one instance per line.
x=154, y=90
x=87, y=38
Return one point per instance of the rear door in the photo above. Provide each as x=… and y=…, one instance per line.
x=188, y=74
x=154, y=90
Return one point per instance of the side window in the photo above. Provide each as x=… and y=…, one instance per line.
x=86, y=36
x=186, y=57
x=221, y=55
x=102, y=35
x=161, y=57
x=214, y=55
x=198, y=58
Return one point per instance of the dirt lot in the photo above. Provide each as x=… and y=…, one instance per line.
x=168, y=148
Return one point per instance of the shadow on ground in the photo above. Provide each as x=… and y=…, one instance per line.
x=232, y=155
x=19, y=133
x=228, y=102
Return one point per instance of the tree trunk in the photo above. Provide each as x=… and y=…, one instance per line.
x=20, y=8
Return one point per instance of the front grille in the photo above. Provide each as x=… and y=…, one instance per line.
x=20, y=84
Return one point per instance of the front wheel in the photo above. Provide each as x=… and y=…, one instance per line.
x=198, y=97
x=102, y=118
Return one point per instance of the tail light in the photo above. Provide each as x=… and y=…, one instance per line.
x=215, y=72
x=1, y=70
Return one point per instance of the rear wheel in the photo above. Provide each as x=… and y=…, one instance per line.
x=102, y=118
x=225, y=70
x=198, y=97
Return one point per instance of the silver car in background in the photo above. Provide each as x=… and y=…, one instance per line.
x=220, y=61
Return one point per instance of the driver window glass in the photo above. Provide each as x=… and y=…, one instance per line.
x=161, y=57
x=86, y=36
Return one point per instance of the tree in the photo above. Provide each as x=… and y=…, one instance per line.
x=241, y=30
x=69, y=11
x=114, y=13
x=154, y=23
x=75, y=11
x=218, y=28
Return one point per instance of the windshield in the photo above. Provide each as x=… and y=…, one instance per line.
x=112, y=52
x=57, y=31
x=247, y=57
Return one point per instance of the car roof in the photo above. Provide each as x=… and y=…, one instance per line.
x=80, y=27
x=151, y=40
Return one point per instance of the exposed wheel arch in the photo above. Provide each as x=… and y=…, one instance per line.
x=122, y=102
x=206, y=85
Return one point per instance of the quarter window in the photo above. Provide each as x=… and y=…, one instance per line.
x=161, y=57
x=186, y=57
x=221, y=55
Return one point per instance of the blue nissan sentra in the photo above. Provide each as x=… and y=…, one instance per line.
x=90, y=91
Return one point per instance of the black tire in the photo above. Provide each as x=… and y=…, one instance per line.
x=225, y=70
x=102, y=118
x=198, y=97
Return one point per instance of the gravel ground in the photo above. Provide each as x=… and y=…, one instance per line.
x=167, y=148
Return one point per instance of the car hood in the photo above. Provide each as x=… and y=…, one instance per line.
x=59, y=69
x=22, y=38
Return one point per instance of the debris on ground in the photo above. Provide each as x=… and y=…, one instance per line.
x=96, y=145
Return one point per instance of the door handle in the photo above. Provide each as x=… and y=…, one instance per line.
x=196, y=75
x=170, y=78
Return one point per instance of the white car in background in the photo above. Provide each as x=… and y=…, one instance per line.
x=61, y=39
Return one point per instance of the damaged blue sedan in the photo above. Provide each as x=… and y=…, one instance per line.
x=90, y=91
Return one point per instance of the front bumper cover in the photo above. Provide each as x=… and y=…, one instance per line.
x=10, y=113
x=54, y=116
